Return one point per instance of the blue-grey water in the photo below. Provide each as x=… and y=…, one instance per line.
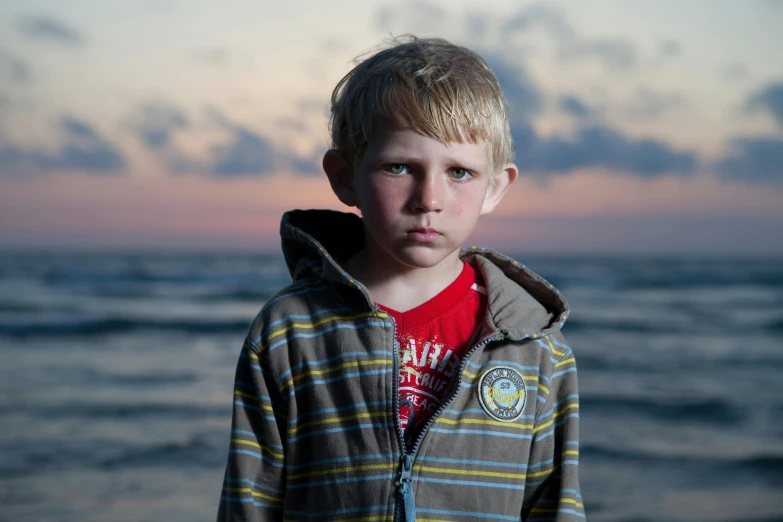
x=116, y=374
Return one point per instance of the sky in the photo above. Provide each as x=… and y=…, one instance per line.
x=641, y=127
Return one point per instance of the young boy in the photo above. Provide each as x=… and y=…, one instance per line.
x=401, y=375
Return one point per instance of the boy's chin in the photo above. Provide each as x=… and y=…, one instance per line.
x=425, y=257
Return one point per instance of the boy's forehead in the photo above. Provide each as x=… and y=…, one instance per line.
x=390, y=137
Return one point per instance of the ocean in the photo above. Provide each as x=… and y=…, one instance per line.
x=116, y=374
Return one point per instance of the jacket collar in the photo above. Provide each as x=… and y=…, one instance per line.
x=521, y=303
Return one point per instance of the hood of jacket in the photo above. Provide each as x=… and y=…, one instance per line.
x=521, y=304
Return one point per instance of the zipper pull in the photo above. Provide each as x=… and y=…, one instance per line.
x=406, y=468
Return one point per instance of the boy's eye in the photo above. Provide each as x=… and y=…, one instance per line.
x=397, y=168
x=460, y=174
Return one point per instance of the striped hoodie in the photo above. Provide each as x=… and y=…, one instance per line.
x=315, y=429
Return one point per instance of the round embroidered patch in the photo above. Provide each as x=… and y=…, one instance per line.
x=502, y=393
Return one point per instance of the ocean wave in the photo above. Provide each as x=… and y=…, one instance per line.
x=131, y=411
x=766, y=467
x=201, y=450
x=90, y=327
x=688, y=410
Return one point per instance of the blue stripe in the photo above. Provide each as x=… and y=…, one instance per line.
x=249, y=500
x=315, y=463
x=257, y=455
x=555, y=406
x=354, y=406
x=254, y=484
x=561, y=345
x=296, y=388
x=549, y=519
x=557, y=425
x=520, y=487
x=302, y=316
x=388, y=476
x=338, y=511
x=510, y=363
x=250, y=387
x=267, y=417
x=357, y=326
x=558, y=374
x=325, y=361
x=475, y=462
x=340, y=430
x=543, y=463
x=479, y=410
x=484, y=432
x=250, y=433
x=467, y=514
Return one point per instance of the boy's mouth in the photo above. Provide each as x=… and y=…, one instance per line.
x=423, y=234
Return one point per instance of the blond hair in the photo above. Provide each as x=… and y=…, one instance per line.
x=436, y=88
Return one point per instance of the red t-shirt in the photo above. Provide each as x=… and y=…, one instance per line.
x=433, y=339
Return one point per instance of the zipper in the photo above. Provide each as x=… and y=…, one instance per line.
x=404, y=482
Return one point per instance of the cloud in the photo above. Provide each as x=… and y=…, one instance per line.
x=155, y=123
x=46, y=28
x=212, y=55
x=249, y=153
x=419, y=18
x=647, y=104
x=83, y=149
x=13, y=69
x=523, y=96
x=602, y=147
x=245, y=153
x=670, y=48
x=769, y=99
x=757, y=159
x=736, y=71
x=574, y=106
x=548, y=17
x=616, y=55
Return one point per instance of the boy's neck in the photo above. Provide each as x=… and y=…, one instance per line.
x=401, y=287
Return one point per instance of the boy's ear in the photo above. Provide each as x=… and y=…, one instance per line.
x=340, y=177
x=498, y=189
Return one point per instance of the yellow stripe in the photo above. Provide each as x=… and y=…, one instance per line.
x=564, y=410
x=341, y=470
x=339, y=419
x=373, y=518
x=571, y=501
x=254, y=493
x=468, y=374
x=520, y=476
x=561, y=363
x=571, y=452
x=553, y=510
x=552, y=347
x=539, y=428
x=259, y=446
x=253, y=397
x=543, y=388
x=319, y=323
x=340, y=367
x=488, y=422
x=541, y=473
x=546, y=425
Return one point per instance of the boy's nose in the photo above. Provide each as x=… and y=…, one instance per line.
x=428, y=196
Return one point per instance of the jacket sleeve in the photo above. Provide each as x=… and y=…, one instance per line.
x=552, y=492
x=254, y=483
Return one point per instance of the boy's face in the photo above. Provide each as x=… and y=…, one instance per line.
x=420, y=199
